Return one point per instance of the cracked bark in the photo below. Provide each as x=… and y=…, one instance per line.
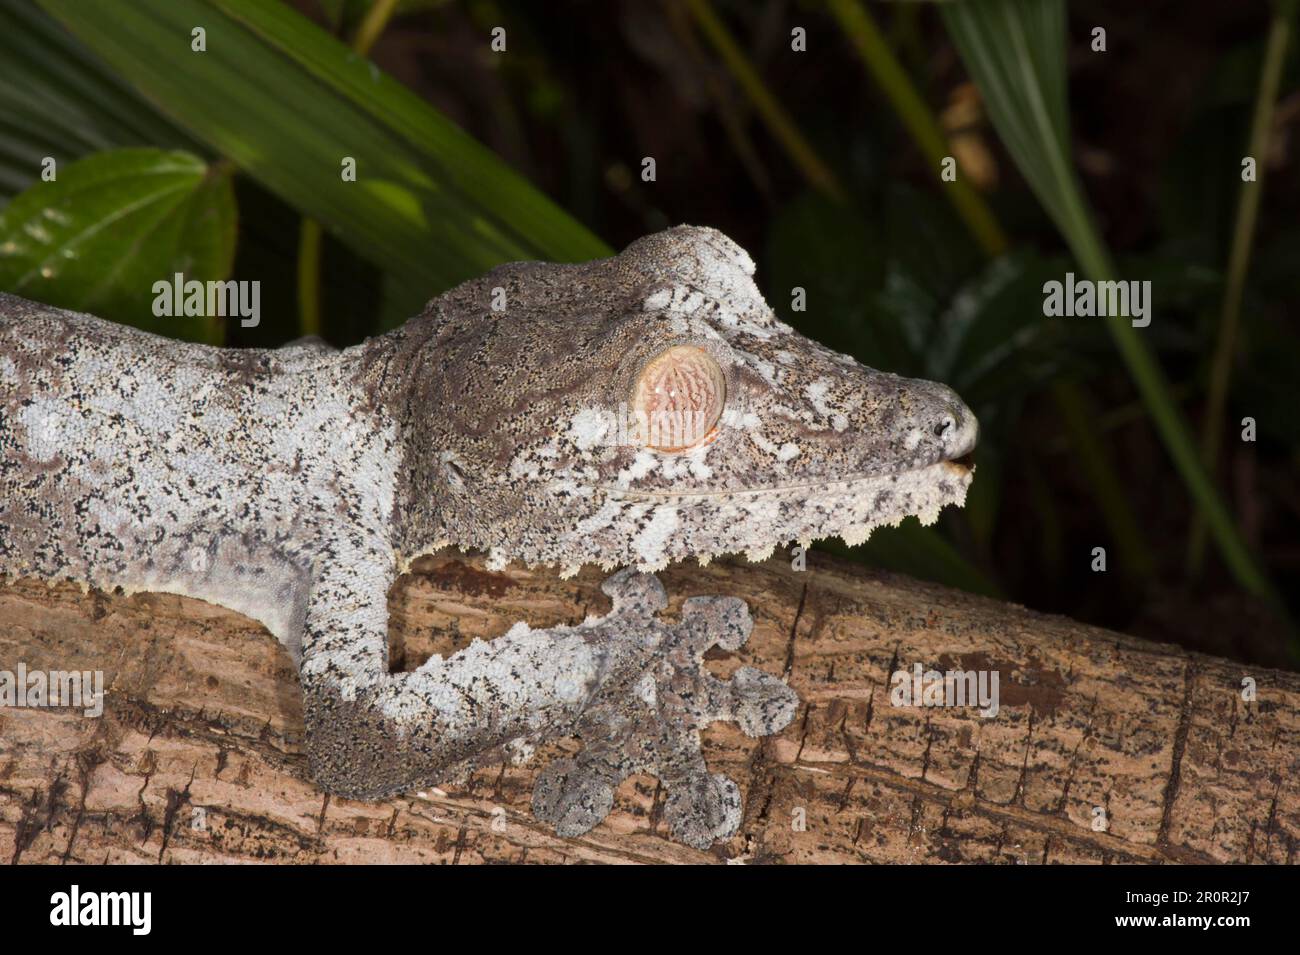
x=198, y=754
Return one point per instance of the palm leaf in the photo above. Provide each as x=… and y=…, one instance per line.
x=99, y=236
x=59, y=100
x=287, y=103
x=1015, y=51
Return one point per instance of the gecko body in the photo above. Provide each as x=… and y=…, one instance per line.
x=626, y=412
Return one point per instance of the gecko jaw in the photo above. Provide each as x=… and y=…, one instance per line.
x=649, y=532
x=959, y=468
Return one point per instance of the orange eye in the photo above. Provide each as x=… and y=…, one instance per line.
x=679, y=399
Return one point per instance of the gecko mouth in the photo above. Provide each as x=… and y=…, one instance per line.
x=649, y=529
x=960, y=467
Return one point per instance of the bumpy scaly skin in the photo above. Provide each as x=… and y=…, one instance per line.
x=294, y=485
x=646, y=717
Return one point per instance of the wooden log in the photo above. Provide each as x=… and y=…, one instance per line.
x=1105, y=748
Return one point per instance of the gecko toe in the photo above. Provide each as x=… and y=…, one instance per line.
x=633, y=591
x=762, y=704
x=724, y=621
x=702, y=809
x=572, y=797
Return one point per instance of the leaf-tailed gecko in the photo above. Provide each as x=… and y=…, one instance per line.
x=627, y=412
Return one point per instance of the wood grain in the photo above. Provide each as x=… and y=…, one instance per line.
x=197, y=757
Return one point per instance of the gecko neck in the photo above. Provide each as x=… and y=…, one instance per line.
x=394, y=384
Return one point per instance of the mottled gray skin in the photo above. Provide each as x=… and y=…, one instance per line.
x=295, y=485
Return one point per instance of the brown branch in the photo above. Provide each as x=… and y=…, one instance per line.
x=197, y=756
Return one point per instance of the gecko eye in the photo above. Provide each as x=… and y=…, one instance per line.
x=679, y=398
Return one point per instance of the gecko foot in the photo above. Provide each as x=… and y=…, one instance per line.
x=646, y=716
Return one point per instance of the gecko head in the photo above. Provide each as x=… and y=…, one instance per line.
x=651, y=407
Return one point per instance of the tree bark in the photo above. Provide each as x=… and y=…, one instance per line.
x=1105, y=748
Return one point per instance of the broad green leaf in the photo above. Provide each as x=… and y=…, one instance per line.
x=990, y=341
x=58, y=99
x=99, y=236
x=429, y=205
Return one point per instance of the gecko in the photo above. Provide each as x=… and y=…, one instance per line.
x=626, y=412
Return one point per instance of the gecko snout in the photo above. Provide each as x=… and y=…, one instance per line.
x=956, y=428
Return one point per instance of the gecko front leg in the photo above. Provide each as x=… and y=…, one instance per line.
x=633, y=687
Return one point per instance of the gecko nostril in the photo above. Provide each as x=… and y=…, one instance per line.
x=944, y=425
